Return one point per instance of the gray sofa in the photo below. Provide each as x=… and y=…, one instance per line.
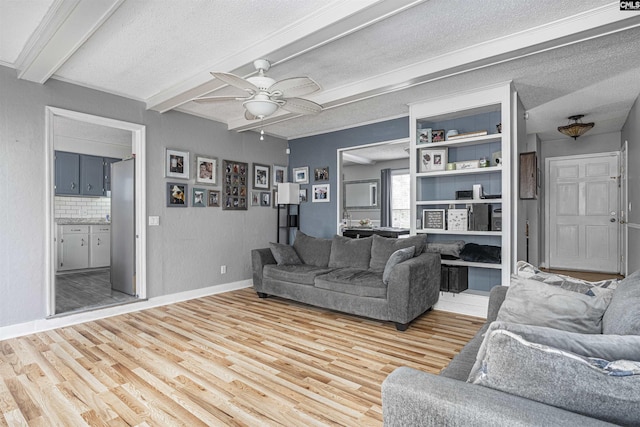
x=376, y=277
x=529, y=375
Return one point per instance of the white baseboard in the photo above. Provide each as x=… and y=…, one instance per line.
x=41, y=325
x=463, y=303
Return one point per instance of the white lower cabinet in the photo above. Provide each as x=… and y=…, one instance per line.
x=83, y=246
x=100, y=250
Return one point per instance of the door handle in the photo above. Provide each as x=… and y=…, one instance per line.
x=73, y=185
x=612, y=220
x=622, y=221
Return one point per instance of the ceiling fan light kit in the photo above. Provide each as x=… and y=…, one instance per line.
x=266, y=95
x=577, y=128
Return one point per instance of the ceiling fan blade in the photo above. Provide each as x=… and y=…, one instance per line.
x=208, y=99
x=295, y=86
x=301, y=106
x=235, y=81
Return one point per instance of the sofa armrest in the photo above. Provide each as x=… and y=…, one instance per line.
x=496, y=298
x=415, y=398
x=260, y=258
x=414, y=287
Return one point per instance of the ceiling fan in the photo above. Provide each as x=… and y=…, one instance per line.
x=265, y=95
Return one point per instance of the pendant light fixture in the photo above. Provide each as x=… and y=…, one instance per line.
x=577, y=128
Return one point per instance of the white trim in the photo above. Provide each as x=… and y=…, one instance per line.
x=138, y=132
x=41, y=325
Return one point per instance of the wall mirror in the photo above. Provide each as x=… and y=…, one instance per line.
x=362, y=194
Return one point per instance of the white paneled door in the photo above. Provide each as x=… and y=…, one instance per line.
x=583, y=205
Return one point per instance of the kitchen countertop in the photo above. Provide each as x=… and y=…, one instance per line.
x=82, y=221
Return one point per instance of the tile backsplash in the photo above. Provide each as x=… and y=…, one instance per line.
x=82, y=207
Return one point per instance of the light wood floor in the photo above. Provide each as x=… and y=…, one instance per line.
x=591, y=276
x=228, y=359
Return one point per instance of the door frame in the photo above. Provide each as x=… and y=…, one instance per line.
x=138, y=150
x=624, y=208
x=547, y=192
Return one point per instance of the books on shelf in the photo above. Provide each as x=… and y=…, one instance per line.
x=467, y=135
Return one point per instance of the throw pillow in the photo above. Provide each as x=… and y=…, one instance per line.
x=536, y=303
x=284, y=254
x=473, y=252
x=561, y=378
x=396, y=258
x=623, y=315
x=528, y=271
x=312, y=250
x=383, y=247
x=347, y=252
x=450, y=248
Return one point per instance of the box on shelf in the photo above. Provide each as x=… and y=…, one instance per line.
x=457, y=219
x=467, y=135
x=454, y=278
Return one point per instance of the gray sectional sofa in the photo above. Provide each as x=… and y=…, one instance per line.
x=517, y=374
x=377, y=277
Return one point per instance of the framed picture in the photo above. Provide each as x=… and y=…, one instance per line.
x=279, y=175
x=321, y=174
x=424, y=136
x=433, y=219
x=234, y=185
x=213, y=199
x=302, y=195
x=261, y=176
x=255, y=198
x=437, y=135
x=199, y=199
x=432, y=160
x=265, y=198
x=206, y=170
x=274, y=198
x=177, y=195
x=177, y=164
x=301, y=175
x=321, y=193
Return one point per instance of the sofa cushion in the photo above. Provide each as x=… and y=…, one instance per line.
x=284, y=254
x=623, y=314
x=383, y=247
x=303, y=274
x=396, y=258
x=353, y=281
x=528, y=271
x=312, y=250
x=347, y=252
x=536, y=303
x=560, y=378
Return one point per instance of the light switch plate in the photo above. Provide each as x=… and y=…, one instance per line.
x=154, y=220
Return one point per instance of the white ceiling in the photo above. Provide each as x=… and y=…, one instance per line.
x=371, y=57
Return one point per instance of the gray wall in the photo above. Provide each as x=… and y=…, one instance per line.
x=320, y=219
x=631, y=134
x=184, y=253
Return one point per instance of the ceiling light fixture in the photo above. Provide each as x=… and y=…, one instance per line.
x=575, y=129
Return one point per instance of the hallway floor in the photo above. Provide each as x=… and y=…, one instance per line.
x=87, y=290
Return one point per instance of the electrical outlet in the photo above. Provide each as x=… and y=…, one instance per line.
x=223, y=269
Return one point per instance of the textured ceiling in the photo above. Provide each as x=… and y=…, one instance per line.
x=371, y=57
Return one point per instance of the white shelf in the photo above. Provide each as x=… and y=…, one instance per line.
x=457, y=202
x=471, y=264
x=454, y=232
x=489, y=169
x=462, y=142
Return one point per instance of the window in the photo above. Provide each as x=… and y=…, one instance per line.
x=400, y=199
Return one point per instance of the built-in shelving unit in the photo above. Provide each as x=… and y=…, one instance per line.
x=436, y=187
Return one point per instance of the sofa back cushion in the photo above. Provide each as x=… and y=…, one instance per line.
x=623, y=314
x=383, y=247
x=588, y=386
x=347, y=252
x=312, y=250
x=536, y=303
x=284, y=254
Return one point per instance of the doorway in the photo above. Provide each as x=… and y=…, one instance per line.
x=583, y=231
x=89, y=289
